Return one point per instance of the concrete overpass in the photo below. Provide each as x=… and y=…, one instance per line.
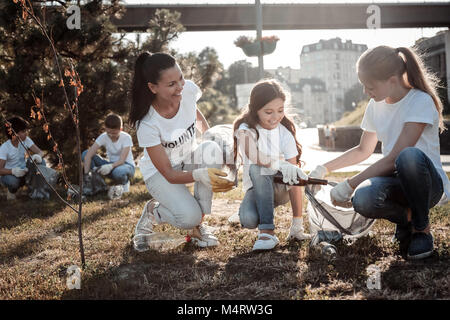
x=227, y=17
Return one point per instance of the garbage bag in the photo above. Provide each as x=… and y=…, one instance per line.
x=35, y=180
x=323, y=215
x=93, y=183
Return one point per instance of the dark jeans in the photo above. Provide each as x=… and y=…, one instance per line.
x=415, y=184
x=12, y=182
x=120, y=174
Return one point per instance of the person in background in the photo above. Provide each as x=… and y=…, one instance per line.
x=119, y=165
x=12, y=155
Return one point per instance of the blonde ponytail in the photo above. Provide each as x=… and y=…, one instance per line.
x=383, y=62
x=420, y=78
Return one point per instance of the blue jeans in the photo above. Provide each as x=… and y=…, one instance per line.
x=257, y=207
x=12, y=182
x=415, y=184
x=120, y=174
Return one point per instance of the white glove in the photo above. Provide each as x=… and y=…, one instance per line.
x=36, y=158
x=105, y=169
x=318, y=173
x=341, y=194
x=19, y=172
x=291, y=173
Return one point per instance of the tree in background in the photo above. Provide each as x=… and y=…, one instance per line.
x=27, y=65
x=105, y=63
x=238, y=72
x=163, y=28
x=206, y=70
x=353, y=96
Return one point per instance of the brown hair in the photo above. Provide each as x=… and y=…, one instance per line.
x=113, y=121
x=17, y=124
x=147, y=68
x=262, y=93
x=382, y=62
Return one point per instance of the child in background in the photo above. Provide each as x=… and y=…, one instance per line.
x=266, y=141
x=405, y=114
x=12, y=156
x=120, y=165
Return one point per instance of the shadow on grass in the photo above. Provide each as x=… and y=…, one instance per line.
x=170, y=275
x=27, y=247
x=424, y=279
x=346, y=273
x=260, y=275
x=14, y=213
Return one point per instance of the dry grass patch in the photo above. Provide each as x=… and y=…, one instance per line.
x=39, y=242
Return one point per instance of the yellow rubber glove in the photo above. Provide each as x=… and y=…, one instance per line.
x=223, y=189
x=212, y=177
x=219, y=184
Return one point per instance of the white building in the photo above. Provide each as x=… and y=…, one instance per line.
x=310, y=97
x=285, y=74
x=243, y=94
x=333, y=62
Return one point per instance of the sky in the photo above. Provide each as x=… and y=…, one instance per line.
x=287, y=53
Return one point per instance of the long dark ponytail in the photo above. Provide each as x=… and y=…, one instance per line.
x=147, y=69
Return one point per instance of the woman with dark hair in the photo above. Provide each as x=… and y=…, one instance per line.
x=165, y=114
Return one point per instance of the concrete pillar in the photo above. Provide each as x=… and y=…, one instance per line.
x=447, y=61
x=259, y=24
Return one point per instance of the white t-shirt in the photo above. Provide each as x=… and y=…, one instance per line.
x=15, y=157
x=114, y=149
x=276, y=143
x=387, y=120
x=176, y=135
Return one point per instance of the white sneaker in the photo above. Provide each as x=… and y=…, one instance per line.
x=234, y=218
x=298, y=234
x=10, y=196
x=266, y=244
x=207, y=239
x=126, y=187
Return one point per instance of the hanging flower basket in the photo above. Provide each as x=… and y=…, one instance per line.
x=252, y=48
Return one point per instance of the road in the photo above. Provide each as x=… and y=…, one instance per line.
x=314, y=155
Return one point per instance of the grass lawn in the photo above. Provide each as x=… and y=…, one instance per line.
x=39, y=242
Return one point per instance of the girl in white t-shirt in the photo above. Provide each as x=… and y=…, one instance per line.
x=164, y=111
x=405, y=114
x=12, y=156
x=266, y=141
